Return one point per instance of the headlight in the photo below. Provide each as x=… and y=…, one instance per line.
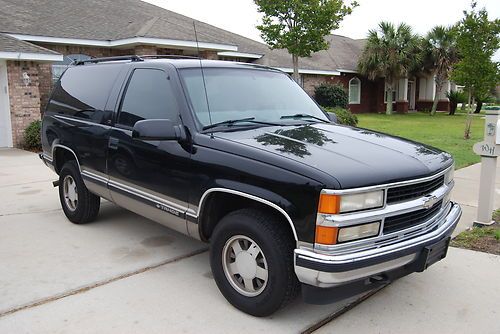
x=358, y=232
x=329, y=235
x=332, y=204
x=448, y=177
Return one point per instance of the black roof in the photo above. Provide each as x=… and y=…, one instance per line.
x=182, y=62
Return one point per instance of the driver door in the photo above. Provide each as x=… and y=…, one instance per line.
x=149, y=177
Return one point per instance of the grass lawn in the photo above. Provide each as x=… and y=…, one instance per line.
x=483, y=239
x=441, y=131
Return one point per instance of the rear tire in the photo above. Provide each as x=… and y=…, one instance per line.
x=251, y=256
x=78, y=203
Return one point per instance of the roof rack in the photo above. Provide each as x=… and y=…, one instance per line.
x=103, y=59
x=168, y=57
x=131, y=58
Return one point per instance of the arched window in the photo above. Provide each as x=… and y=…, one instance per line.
x=59, y=67
x=354, y=91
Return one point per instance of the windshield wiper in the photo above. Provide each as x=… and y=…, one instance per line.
x=304, y=116
x=231, y=122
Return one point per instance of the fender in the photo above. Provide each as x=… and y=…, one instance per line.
x=251, y=197
x=56, y=145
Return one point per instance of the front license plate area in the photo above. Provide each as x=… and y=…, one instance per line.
x=432, y=254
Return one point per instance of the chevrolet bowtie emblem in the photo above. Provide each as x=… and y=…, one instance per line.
x=429, y=202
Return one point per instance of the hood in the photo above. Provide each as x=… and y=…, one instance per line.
x=355, y=157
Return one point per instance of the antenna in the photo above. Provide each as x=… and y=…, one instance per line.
x=202, y=73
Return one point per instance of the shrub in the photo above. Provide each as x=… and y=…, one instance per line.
x=32, y=136
x=344, y=116
x=496, y=215
x=455, y=98
x=331, y=96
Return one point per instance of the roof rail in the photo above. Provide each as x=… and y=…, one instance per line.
x=131, y=58
x=104, y=59
x=168, y=57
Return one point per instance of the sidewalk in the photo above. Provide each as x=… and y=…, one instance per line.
x=466, y=193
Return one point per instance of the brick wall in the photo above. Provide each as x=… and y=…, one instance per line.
x=208, y=54
x=368, y=101
x=24, y=99
x=146, y=50
x=426, y=105
x=45, y=83
x=87, y=50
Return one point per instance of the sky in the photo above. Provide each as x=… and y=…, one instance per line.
x=241, y=16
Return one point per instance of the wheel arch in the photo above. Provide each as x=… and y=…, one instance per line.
x=249, y=198
x=61, y=154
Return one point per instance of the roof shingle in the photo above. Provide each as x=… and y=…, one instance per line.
x=108, y=20
x=11, y=44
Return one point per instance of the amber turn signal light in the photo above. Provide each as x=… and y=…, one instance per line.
x=326, y=235
x=329, y=204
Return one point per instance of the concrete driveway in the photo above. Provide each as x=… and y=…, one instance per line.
x=126, y=274
x=122, y=273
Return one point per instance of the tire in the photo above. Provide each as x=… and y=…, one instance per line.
x=79, y=204
x=272, y=246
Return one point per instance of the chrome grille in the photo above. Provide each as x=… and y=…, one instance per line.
x=406, y=220
x=412, y=191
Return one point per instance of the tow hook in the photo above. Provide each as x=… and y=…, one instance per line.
x=55, y=183
x=378, y=279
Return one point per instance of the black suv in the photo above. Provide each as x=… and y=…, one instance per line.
x=239, y=156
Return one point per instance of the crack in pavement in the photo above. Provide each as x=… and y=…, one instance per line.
x=27, y=213
x=100, y=283
x=23, y=184
x=343, y=310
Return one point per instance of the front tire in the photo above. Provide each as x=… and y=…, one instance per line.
x=251, y=256
x=78, y=203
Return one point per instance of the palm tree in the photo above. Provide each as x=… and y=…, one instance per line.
x=390, y=52
x=440, y=54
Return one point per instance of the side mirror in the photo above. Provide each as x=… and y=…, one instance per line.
x=157, y=129
x=332, y=116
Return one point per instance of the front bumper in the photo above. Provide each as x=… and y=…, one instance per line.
x=358, y=271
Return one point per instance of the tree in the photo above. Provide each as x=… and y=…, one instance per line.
x=440, y=54
x=477, y=40
x=300, y=26
x=390, y=52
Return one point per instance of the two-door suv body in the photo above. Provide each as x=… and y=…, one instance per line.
x=238, y=155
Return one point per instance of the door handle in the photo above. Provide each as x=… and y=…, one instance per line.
x=113, y=143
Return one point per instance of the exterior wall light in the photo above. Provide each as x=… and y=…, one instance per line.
x=26, y=79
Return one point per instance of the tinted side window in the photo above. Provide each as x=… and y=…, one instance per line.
x=83, y=90
x=149, y=95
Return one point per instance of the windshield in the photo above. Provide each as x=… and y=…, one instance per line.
x=238, y=94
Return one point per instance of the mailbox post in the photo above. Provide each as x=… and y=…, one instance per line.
x=489, y=150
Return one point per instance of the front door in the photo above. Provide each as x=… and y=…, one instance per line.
x=5, y=125
x=149, y=177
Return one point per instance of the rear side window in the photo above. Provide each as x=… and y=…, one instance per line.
x=83, y=90
x=149, y=95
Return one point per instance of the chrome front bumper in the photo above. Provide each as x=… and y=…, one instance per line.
x=326, y=270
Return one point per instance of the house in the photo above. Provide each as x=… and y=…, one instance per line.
x=338, y=64
x=39, y=39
